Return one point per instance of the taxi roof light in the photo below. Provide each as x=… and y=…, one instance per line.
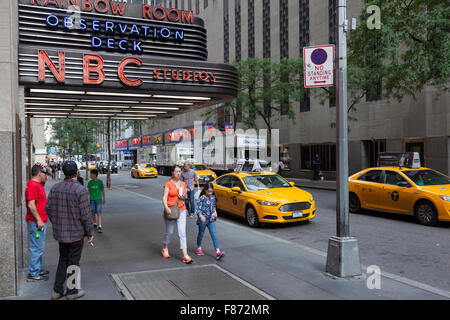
x=401, y=159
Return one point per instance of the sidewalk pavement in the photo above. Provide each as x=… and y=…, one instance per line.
x=314, y=184
x=131, y=242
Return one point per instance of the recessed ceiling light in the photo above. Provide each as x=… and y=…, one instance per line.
x=181, y=97
x=56, y=91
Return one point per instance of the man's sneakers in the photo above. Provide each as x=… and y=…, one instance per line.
x=74, y=296
x=57, y=295
x=100, y=229
x=187, y=260
x=199, y=252
x=95, y=227
x=220, y=255
x=44, y=273
x=37, y=277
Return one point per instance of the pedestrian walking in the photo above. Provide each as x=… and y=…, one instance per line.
x=97, y=199
x=58, y=170
x=190, y=176
x=175, y=191
x=68, y=210
x=53, y=167
x=36, y=219
x=79, y=178
x=316, y=167
x=207, y=216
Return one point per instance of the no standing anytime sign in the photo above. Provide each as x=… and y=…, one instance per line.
x=318, y=65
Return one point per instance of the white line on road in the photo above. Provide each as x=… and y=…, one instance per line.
x=392, y=276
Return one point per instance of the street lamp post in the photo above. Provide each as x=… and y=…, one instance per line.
x=343, y=252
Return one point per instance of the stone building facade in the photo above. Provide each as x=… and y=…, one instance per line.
x=238, y=29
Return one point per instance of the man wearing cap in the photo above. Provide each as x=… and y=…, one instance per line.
x=69, y=211
x=36, y=221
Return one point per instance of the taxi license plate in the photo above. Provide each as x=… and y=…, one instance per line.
x=297, y=214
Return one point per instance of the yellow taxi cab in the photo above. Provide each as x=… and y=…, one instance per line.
x=92, y=165
x=263, y=197
x=410, y=190
x=204, y=174
x=144, y=170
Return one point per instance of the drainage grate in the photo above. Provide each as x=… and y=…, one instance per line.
x=209, y=282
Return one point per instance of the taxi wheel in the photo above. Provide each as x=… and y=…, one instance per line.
x=355, y=204
x=425, y=213
x=252, y=217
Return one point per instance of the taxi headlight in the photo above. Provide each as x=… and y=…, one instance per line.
x=267, y=203
x=312, y=199
x=445, y=198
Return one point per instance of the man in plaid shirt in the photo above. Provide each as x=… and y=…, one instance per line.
x=69, y=211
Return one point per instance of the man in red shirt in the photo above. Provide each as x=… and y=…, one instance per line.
x=36, y=218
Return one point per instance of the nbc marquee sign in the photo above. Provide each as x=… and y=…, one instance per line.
x=114, y=44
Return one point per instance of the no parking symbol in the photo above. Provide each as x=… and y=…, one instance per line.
x=319, y=66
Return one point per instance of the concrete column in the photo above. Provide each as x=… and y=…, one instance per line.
x=8, y=169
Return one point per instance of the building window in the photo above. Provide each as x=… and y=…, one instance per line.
x=237, y=19
x=374, y=92
x=266, y=29
x=197, y=7
x=374, y=147
x=326, y=152
x=305, y=103
x=332, y=39
x=205, y=4
x=189, y=5
x=226, y=32
x=284, y=29
x=416, y=146
x=251, y=28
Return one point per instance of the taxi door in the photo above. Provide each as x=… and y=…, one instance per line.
x=397, y=194
x=222, y=190
x=237, y=201
x=369, y=187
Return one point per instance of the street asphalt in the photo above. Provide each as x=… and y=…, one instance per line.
x=285, y=262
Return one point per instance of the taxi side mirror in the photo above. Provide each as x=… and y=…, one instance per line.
x=292, y=183
x=404, y=184
x=236, y=189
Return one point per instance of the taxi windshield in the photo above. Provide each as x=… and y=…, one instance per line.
x=427, y=177
x=261, y=182
x=145, y=166
x=198, y=167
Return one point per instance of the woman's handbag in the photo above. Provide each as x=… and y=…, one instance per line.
x=174, y=212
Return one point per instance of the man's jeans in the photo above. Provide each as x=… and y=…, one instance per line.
x=69, y=255
x=190, y=202
x=37, y=246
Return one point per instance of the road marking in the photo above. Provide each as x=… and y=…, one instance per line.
x=392, y=276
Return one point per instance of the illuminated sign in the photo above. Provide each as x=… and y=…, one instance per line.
x=93, y=73
x=112, y=35
x=119, y=8
x=111, y=29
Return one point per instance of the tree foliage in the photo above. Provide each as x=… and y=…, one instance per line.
x=410, y=51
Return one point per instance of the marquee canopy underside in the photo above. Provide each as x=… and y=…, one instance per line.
x=117, y=105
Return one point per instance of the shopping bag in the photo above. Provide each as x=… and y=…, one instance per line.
x=197, y=194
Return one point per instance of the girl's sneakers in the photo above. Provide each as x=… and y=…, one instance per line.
x=187, y=260
x=220, y=255
x=165, y=253
x=199, y=252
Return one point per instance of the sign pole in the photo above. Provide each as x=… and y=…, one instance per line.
x=343, y=252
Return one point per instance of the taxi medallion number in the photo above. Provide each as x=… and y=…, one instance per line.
x=297, y=214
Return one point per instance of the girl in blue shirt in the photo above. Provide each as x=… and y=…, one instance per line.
x=207, y=215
